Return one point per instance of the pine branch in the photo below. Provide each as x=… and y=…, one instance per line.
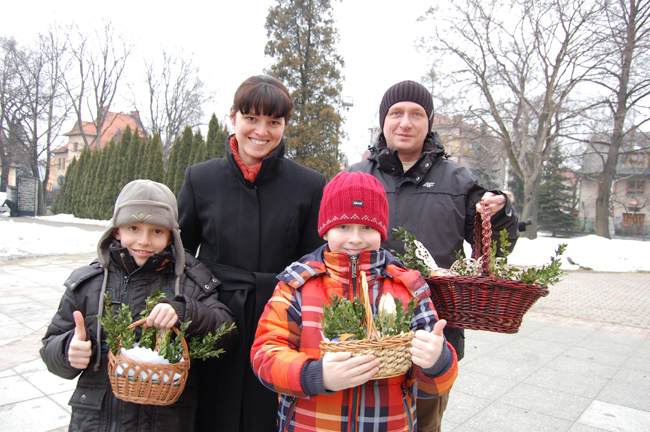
x=409, y=257
x=345, y=317
x=116, y=325
x=204, y=347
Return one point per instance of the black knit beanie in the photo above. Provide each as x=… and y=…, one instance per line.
x=406, y=91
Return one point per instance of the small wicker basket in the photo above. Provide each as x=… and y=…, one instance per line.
x=148, y=383
x=393, y=352
x=483, y=302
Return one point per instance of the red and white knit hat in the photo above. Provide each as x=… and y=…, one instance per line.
x=353, y=198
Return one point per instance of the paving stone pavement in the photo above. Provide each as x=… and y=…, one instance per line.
x=580, y=362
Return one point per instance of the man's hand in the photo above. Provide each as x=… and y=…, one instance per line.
x=426, y=347
x=162, y=316
x=80, y=350
x=490, y=204
x=341, y=370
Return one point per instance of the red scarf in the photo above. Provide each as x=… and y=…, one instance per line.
x=248, y=171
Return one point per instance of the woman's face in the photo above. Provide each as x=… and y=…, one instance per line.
x=257, y=135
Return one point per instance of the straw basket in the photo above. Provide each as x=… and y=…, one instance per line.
x=393, y=352
x=148, y=383
x=483, y=302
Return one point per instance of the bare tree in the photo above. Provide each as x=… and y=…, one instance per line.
x=33, y=103
x=518, y=74
x=56, y=104
x=100, y=63
x=624, y=73
x=8, y=98
x=176, y=96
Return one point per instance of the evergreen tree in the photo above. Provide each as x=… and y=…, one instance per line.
x=78, y=190
x=112, y=184
x=179, y=159
x=63, y=199
x=302, y=41
x=133, y=158
x=123, y=158
x=557, y=202
x=72, y=178
x=183, y=158
x=155, y=159
x=170, y=172
x=216, y=139
x=199, y=149
x=97, y=181
x=142, y=161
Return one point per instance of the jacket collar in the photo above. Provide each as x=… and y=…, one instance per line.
x=387, y=160
x=337, y=265
x=123, y=260
x=269, y=164
x=340, y=266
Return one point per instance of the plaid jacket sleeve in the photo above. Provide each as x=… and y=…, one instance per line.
x=275, y=355
x=424, y=318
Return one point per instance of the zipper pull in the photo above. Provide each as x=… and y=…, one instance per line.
x=353, y=273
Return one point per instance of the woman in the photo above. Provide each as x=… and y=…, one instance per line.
x=249, y=215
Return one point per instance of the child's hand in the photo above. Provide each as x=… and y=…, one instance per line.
x=80, y=350
x=162, y=316
x=341, y=370
x=426, y=347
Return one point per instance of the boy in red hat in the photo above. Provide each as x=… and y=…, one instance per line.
x=336, y=391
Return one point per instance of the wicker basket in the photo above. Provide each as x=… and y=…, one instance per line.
x=393, y=352
x=148, y=383
x=483, y=302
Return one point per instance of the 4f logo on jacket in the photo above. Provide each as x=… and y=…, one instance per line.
x=428, y=185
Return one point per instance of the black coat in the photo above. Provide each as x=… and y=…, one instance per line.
x=94, y=407
x=435, y=200
x=247, y=233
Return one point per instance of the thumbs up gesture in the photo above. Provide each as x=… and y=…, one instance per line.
x=426, y=347
x=80, y=350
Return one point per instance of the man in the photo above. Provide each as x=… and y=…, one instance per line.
x=429, y=195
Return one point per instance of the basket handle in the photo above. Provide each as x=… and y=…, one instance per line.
x=482, y=240
x=370, y=323
x=186, y=350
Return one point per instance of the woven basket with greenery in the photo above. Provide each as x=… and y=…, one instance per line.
x=148, y=383
x=393, y=352
x=496, y=298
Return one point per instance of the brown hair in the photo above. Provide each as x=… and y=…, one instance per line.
x=263, y=95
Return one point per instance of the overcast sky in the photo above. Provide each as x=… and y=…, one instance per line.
x=227, y=38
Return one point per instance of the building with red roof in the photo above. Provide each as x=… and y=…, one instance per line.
x=114, y=126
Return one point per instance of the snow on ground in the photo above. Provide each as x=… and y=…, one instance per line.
x=19, y=239
x=593, y=252
x=62, y=217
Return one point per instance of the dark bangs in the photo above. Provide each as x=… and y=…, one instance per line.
x=263, y=95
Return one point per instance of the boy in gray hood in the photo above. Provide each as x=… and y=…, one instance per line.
x=141, y=251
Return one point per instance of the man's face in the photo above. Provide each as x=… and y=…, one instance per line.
x=405, y=127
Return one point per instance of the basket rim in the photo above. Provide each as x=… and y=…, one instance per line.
x=121, y=357
x=139, y=323
x=403, y=337
x=540, y=289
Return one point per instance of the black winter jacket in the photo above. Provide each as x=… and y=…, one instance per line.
x=246, y=233
x=435, y=200
x=94, y=408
